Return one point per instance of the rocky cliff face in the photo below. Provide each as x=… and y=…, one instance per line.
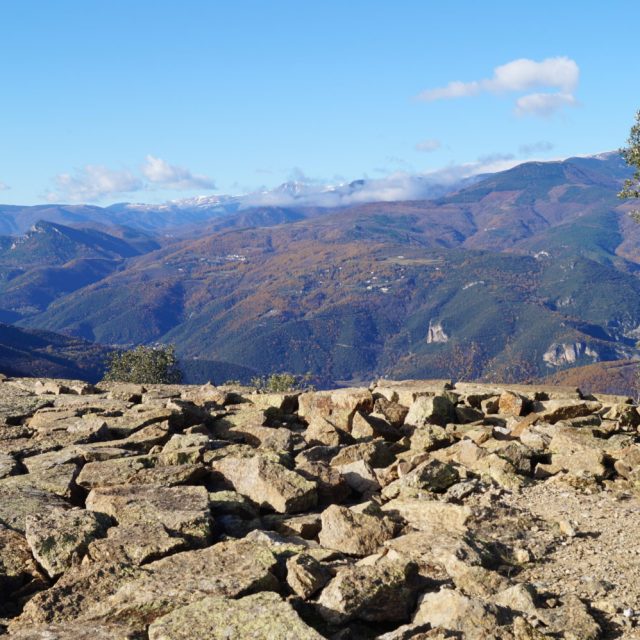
x=412, y=509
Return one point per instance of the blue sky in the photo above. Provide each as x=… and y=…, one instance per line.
x=147, y=101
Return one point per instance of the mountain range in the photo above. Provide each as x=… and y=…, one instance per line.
x=511, y=275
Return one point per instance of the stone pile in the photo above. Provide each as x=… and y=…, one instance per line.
x=408, y=510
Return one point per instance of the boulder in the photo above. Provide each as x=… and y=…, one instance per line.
x=262, y=616
x=16, y=503
x=77, y=631
x=229, y=569
x=305, y=575
x=268, y=483
x=337, y=406
x=436, y=409
x=19, y=574
x=358, y=534
x=184, y=511
x=451, y=610
x=134, y=544
x=380, y=592
x=60, y=537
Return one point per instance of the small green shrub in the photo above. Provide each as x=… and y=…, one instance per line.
x=144, y=365
x=282, y=382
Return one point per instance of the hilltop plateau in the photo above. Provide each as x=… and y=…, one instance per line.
x=407, y=510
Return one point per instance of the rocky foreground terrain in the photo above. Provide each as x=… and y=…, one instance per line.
x=412, y=509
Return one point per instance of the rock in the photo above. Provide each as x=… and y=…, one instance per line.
x=8, y=465
x=577, y=452
x=337, y=406
x=554, y=410
x=430, y=410
x=263, y=616
x=425, y=515
x=405, y=392
x=360, y=477
x=77, y=631
x=571, y=618
x=418, y=632
x=230, y=569
x=448, y=609
x=331, y=484
x=321, y=432
x=59, y=480
x=376, y=454
x=305, y=575
x=60, y=537
x=381, y=592
x=268, y=484
x=19, y=574
x=184, y=511
x=284, y=403
x=306, y=526
x=373, y=426
x=522, y=630
x=74, y=594
x=134, y=544
x=431, y=475
x=512, y=404
x=393, y=412
x=358, y=534
x=137, y=470
x=16, y=503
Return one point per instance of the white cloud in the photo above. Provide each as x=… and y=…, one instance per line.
x=394, y=187
x=543, y=104
x=560, y=73
x=4, y=186
x=159, y=172
x=93, y=182
x=96, y=182
x=428, y=145
x=535, y=147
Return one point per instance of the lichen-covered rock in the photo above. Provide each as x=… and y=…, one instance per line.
x=60, y=537
x=18, y=571
x=358, y=534
x=448, y=609
x=134, y=544
x=268, y=483
x=384, y=591
x=436, y=409
x=8, y=465
x=305, y=575
x=59, y=480
x=231, y=569
x=512, y=404
x=263, y=616
x=184, y=511
x=337, y=406
x=16, y=503
x=77, y=631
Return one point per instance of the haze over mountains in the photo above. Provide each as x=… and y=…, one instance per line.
x=511, y=275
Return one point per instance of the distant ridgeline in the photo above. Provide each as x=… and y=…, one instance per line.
x=517, y=276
